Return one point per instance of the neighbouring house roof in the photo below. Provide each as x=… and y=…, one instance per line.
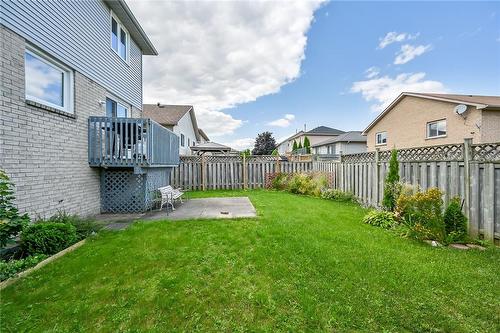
x=324, y=130
x=480, y=102
x=211, y=147
x=320, y=130
x=125, y=15
x=203, y=134
x=169, y=115
x=351, y=136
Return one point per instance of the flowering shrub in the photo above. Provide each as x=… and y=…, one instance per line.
x=422, y=213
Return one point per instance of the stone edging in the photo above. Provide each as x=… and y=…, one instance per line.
x=42, y=263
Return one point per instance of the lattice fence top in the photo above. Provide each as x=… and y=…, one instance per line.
x=361, y=157
x=190, y=159
x=431, y=153
x=486, y=152
x=262, y=158
x=222, y=159
x=419, y=154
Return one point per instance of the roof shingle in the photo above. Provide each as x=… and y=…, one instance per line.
x=165, y=114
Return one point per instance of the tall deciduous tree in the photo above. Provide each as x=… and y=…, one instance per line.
x=264, y=144
x=391, y=188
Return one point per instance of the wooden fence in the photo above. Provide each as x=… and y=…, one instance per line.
x=469, y=171
x=230, y=172
x=466, y=170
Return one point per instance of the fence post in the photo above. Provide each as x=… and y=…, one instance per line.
x=203, y=172
x=467, y=184
x=244, y=172
x=377, y=173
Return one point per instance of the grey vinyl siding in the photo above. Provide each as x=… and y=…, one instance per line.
x=77, y=33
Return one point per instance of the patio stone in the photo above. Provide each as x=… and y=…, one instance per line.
x=477, y=247
x=459, y=246
x=207, y=208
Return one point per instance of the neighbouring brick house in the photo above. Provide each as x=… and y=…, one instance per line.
x=418, y=119
x=62, y=64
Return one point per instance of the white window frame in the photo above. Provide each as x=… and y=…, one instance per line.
x=377, y=136
x=427, y=129
x=68, y=83
x=120, y=27
x=182, y=140
x=129, y=111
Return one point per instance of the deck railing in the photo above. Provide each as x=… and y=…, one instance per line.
x=130, y=142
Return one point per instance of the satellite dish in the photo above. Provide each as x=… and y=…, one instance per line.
x=460, y=109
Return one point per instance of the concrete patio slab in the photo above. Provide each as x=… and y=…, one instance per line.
x=207, y=208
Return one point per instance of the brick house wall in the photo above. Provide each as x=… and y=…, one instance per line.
x=42, y=151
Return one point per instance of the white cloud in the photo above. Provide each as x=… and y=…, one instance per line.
x=383, y=90
x=409, y=52
x=217, y=123
x=282, y=122
x=215, y=55
x=241, y=144
x=394, y=37
x=372, y=72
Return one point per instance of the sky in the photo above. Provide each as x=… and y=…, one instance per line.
x=280, y=66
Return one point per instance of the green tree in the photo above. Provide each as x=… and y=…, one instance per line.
x=275, y=152
x=300, y=145
x=295, y=145
x=264, y=144
x=246, y=153
x=307, y=145
x=392, y=188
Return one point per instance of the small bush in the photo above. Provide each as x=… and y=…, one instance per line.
x=338, y=195
x=380, y=218
x=84, y=227
x=11, y=222
x=422, y=213
x=308, y=184
x=47, y=237
x=11, y=268
x=279, y=182
x=455, y=222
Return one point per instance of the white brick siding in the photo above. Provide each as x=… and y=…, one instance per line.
x=45, y=153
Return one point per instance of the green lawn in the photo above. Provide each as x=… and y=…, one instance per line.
x=304, y=264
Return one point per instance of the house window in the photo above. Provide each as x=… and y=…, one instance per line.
x=189, y=142
x=119, y=38
x=47, y=81
x=381, y=138
x=115, y=109
x=182, y=140
x=436, y=129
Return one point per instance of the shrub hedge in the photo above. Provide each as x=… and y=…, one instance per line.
x=47, y=237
